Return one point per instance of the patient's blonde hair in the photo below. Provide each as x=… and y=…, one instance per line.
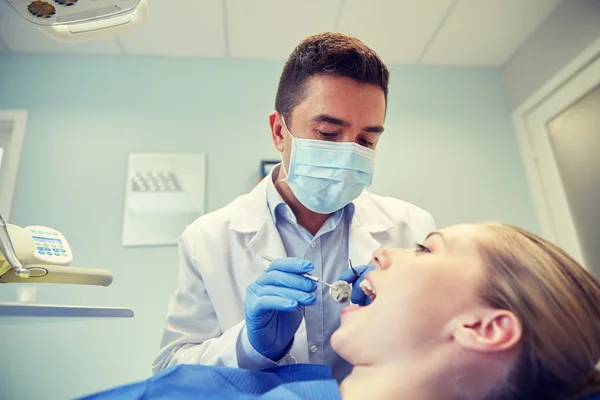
x=558, y=304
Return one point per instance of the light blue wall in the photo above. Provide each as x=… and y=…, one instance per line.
x=449, y=147
x=569, y=30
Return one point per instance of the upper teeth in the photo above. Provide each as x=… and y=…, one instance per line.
x=365, y=284
x=368, y=289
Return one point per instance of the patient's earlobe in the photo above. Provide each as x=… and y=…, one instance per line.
x=489, y=331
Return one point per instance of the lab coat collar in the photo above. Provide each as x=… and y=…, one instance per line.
x=252, y=211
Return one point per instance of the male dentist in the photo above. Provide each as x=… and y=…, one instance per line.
x=311, y=214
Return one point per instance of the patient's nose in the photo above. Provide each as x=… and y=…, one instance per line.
x=381, y=258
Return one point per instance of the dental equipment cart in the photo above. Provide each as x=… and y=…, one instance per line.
x=38, y=254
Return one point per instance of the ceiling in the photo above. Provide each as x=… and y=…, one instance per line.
x=446, y=32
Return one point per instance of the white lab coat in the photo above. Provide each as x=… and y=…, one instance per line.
x=220, y=255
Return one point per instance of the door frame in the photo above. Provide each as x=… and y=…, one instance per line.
x=531, y=147
x=11, y=159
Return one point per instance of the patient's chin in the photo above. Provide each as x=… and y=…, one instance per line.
x=343, y=343
x=334, y=340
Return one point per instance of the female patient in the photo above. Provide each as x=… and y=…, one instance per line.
x=482, y=312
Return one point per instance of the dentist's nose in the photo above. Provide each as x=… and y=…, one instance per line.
x=381, y=258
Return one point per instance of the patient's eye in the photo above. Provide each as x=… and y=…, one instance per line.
x=421, y=248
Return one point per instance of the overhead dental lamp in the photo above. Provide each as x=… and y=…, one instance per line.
x=82, y=20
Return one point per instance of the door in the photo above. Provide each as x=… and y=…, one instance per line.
x=12, y=132
x=564, y=132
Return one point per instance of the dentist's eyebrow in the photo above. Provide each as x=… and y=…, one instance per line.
x=330, y=119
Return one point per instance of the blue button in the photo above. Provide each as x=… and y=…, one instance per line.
x=40, y=252
x=41, y=248
x=46, y=248
x=57, y=254
x=60, y=250
x=49, y=253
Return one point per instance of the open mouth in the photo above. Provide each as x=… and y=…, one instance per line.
x=369, y=290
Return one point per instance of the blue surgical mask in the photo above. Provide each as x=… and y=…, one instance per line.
x=326, y=176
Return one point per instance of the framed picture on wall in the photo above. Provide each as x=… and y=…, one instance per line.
x=164, y=193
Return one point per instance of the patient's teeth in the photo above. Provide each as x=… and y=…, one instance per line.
x=366, y=285
x=368, y=289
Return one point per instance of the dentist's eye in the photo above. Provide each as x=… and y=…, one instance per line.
x=366, y=143
x=328, y=135
x=421, y=248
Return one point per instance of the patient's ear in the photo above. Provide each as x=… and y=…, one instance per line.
x=488, y=330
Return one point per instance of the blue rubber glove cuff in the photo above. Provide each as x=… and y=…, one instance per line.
x=250, y=358
x=274, y=306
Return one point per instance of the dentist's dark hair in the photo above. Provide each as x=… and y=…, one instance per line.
x=327, y=54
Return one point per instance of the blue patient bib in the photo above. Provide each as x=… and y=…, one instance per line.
x=193, y=382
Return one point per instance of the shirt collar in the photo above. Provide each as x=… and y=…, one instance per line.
x=274, y=200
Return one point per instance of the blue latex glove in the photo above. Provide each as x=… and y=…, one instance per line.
x=274, y=305
x=358, y=295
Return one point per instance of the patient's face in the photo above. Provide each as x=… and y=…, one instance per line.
x=420, y=293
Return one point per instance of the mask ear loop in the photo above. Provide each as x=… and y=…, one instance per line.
x=281, y=154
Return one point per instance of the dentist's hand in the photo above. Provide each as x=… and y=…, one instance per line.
x=358, y=295
x=274, y=305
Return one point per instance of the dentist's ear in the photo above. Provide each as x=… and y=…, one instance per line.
x=277, y=131
x=489, y=331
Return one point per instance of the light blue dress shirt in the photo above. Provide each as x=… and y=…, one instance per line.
x=328, y=251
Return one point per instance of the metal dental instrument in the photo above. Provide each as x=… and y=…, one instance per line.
x=6, y=247
x=339, y=291
x=356, y=274
x=309, y=276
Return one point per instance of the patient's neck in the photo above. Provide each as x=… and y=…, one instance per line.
x=435, y=378
x=389, y=381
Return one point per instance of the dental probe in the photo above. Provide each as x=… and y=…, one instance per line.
x=356, y=274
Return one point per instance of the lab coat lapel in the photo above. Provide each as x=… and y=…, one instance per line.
x=253, y=220
x=267, y=240
x=361, y=244
x=367, y=220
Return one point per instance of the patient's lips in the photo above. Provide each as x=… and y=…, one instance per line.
x=350, y=309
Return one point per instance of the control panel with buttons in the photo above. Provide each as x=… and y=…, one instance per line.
x=51, y=247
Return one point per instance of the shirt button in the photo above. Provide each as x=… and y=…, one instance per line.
x=314, y=348
x=313, y=244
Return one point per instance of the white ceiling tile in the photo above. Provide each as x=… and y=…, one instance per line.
x=179, y=28
x=271, y=29
x=22, y=36
x=487, y=32
x=398, y=30
x=477, y=32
